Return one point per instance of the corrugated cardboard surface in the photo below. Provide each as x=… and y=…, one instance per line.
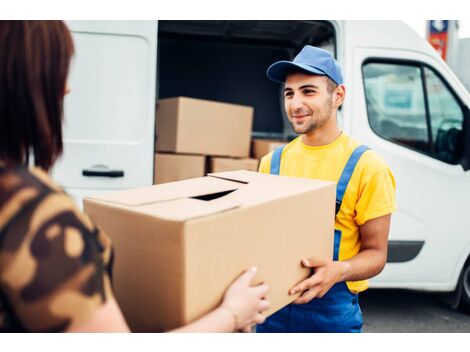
x=187, y=125
x=176, y=167
x=262, y=147
x=172, y=268
x=170, y=191
x=273, y=236
x=148, y=266
x=218, y=164
x=166, y=125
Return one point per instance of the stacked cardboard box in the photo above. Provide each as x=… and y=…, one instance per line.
x=193, y=136
x=176, y=167
x=231, y=164
x=262, y=147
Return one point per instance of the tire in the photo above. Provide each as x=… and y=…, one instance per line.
x=460, y=298
x=464, y=283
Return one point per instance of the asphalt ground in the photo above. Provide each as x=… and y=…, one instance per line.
x=400, y=311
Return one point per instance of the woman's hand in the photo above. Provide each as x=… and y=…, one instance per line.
x=245, y=302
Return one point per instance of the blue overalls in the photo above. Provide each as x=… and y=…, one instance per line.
x=338, y=310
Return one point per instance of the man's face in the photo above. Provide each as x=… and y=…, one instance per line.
x=307, y=101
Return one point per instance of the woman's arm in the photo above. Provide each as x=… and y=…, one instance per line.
x=107, y=318
x=241, y=308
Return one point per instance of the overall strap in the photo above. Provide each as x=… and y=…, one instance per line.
x=347, y=173
x=343, y=180
x=276, y=161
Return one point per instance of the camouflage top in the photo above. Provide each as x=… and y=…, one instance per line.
x=54, y=263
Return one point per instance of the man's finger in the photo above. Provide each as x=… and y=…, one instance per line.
x=323, y=292
x=307, y=296
x=305, y=285
x=299, y=288
x=314, y=262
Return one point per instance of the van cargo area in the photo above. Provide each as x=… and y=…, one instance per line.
x=226, y=61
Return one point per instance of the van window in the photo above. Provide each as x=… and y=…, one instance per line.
x=446, y=119
x=409, y=104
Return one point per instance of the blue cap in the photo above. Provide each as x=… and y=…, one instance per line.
x=312, y=60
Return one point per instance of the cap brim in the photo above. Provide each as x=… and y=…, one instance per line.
x=278, y=71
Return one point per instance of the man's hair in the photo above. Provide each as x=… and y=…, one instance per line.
x=330, y=85
x=34, y=64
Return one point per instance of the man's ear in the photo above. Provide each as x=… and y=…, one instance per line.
x=339, y=95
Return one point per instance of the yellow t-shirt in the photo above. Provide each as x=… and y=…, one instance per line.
x=370, y=193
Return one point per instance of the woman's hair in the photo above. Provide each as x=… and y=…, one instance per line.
x=34, y=64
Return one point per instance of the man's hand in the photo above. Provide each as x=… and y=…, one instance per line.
x=367, y=263
x=326, y=274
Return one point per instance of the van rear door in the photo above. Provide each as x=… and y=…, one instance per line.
x=110, y=110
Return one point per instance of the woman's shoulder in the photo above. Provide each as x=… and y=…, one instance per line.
x=49, y=250
x=31, y=202
x=22, y=188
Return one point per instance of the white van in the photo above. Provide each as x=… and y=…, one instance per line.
x=402, y=100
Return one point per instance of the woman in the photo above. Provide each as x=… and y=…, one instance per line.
x=54, y=263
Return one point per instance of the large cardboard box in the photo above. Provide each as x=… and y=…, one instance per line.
x=262, y=147
x=195, y=126
x=218, y=164
x=179, y=245
x=177, y=167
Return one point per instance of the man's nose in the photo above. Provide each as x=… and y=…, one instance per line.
x=297, y=103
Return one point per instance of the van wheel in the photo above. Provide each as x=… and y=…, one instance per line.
x=464, y=281
x=460, y=298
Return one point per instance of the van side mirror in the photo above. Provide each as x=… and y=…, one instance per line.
x=466, y=140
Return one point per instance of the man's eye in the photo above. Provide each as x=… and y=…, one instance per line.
x=288, y=94
x=309, y=91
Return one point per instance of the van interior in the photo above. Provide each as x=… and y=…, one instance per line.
x=226, y=61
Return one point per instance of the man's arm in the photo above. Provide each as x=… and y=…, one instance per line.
x=369, y=262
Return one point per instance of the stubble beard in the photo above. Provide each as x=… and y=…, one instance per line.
x=313, y=123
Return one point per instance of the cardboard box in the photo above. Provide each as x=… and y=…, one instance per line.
x=229, y=164
x=176, y=167
x=195, y=126
x=179, y=245
x=262, y=147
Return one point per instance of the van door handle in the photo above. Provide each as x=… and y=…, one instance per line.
x=102, y=171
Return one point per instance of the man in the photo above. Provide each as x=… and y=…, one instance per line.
x=328, y=299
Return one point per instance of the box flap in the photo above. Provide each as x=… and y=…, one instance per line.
x=261, y=188
x=188, y=208
x=242, y=176
x=169, y=191
x=245, y=176
x=203, y=196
